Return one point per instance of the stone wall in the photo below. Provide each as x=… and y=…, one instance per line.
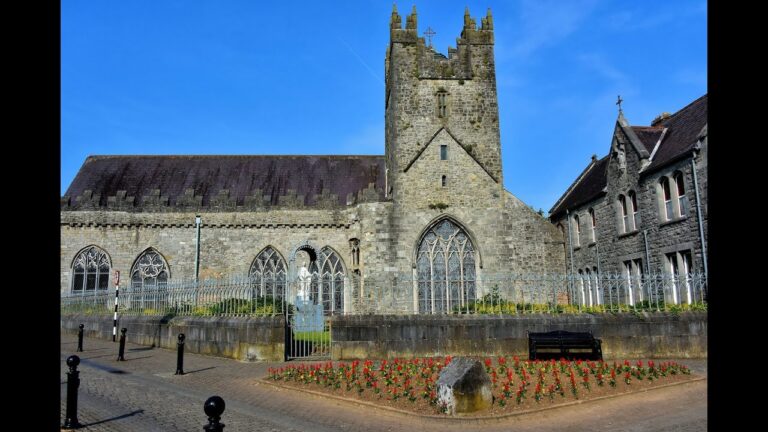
x=654, y=335
x=247, y=339
x=657, y=335
x=229, y=242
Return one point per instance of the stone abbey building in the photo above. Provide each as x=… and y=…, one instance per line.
x=433, y=207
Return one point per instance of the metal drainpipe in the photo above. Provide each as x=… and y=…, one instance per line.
x=570, y=249
x=386, y=182
x=698, y=215
x=198, y=221
x=597, y=253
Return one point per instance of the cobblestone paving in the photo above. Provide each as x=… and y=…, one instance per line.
x=142, y=394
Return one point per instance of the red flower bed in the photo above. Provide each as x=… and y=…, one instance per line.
x=516, y=384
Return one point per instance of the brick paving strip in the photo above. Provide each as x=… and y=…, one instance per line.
x=142, y=394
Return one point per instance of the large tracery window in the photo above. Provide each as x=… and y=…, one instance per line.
x=90, y=270
x=445, y=266
x=328, y=281
x=149, y=271
x=268, y=274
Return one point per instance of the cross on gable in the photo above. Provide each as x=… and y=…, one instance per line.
x=619, y=100
x=429, y=33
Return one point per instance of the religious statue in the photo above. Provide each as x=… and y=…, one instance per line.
x=305, y=278
x=622, y=158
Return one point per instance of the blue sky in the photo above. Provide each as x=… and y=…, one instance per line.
x=248, y=77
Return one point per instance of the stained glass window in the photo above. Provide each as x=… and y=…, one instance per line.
x=445, y=266
x=90, y=270
x=268, y=274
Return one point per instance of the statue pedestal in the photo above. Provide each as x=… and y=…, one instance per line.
x=308, y=317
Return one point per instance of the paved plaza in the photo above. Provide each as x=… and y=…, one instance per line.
x=142, y=394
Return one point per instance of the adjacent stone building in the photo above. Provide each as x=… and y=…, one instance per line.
x=641, y=209
x=431, y=213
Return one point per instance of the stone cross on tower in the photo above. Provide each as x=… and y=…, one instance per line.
x=619, y=100
x=429, y=33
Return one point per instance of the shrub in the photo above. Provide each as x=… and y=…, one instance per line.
x=266, y=305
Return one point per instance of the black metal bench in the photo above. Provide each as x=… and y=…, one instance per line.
x=564, y=344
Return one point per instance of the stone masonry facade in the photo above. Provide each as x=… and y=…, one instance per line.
x=442, y=161
x=638, y=162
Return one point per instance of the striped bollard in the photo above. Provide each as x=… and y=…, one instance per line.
x=117, y=294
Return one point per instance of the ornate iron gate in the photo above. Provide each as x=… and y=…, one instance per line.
x=311, y=300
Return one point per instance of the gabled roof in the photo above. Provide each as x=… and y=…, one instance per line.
x=648, y=135
x=588, y=186
x=683, y=127
x=274, y=176
x=681, y=136
x=634, y=140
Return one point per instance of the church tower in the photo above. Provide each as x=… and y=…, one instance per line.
x=431, y=97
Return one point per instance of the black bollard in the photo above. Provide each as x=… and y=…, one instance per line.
x=80, y=338
x=180, y=355
x=214, y=407
x=121, y=352
x=73, y=382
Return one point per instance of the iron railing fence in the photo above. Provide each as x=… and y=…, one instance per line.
x=531, y=293
x=402, y=294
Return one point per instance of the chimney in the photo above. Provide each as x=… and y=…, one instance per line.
x=660, y=118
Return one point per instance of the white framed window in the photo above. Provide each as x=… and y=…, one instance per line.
x=581, y=288
x=633, y=203
x=576, y=230
x=592, y=225
x=633, y=275
x=666, y=192
x=624, y=221
x=681, y=199
x=679, y=268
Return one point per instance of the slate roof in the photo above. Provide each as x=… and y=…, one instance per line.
x=242, y=175
x=649, y=136
x=588, y=186
x=683, y=129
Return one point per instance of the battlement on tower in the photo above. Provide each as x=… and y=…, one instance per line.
x=462, y=62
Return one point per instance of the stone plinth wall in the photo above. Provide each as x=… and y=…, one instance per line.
x=248, y=339
x=656, y=335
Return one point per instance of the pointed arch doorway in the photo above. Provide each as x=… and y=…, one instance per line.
x=315, y=291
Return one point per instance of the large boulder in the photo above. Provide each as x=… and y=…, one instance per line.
x=464, y=386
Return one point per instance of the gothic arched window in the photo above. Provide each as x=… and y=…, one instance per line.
x=149, y=271
x=268, y=274
x=90, y=270
x=330, y=272
x=445, y=266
